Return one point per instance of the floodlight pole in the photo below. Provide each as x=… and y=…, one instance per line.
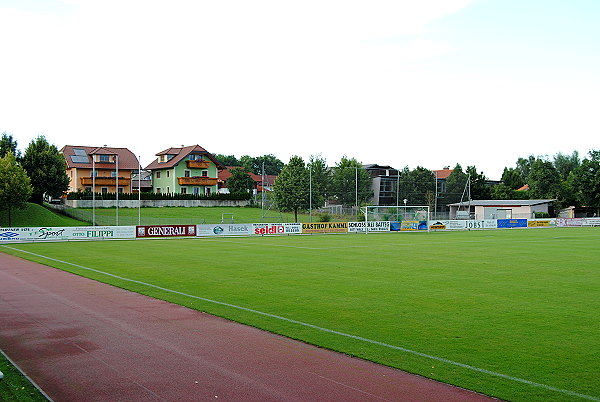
x=139, y=191
x=310, y=191
x=117, y=190
x=356, y=188
x=93, y=190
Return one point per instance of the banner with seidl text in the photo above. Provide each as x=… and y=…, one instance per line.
x=51, y=233
x=262, y=229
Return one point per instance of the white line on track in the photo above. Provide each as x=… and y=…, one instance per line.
x=331, y=331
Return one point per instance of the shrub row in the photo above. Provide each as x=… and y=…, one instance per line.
x=79, y=195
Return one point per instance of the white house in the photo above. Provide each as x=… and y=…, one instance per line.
x=500, y=209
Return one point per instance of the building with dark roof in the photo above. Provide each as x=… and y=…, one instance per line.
x=185, y=170
x=97, y=168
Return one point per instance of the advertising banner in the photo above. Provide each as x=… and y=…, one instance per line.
x=262, y=229
x=538, y=223
x=577, y=222
x=374, y=226
x=66, y=233
x=512, y=223
x=225, y=229
x=325, y=227
x=592, y=222
x=408, y=226
x=165, y=231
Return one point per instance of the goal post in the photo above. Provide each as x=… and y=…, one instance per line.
x=410, y=217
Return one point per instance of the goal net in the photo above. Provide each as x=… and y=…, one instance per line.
x=408, y=217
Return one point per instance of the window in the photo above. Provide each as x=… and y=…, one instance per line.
x=196, y=190
x=158, y=190
x=168, y=173
x=121, y=190
x=183, y=190
x=104, y=190
x=168, y=190
x=104, y=158
x=186, y=173
x=113, y=174
x=207, y=190
x=205, y=173
x=158, y=175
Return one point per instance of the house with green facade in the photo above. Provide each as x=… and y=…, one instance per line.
x=186, y=170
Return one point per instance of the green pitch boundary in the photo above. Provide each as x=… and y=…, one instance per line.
x=318, y=328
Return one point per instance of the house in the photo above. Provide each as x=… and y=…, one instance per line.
x=141, y=181
x=258, y=181
x=384, y=182
x=96, y=168
x=501, y=209
x=185, y=170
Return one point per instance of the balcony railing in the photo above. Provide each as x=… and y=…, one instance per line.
x=197, y=164
x=105, y=181
x=197, y=181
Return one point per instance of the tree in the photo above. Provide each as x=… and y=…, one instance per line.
x=417, y=186
x=565, y=164
x=291, y=187
x=479, y=188
x=8, y=145
x=45, y=166
x=585, y=180
x=524, y=166
x=350, y=183
x=239, y=181
x=512, y=178
x=227, y=160
x=270, y=162
x=15, y=186
x=455, y=185
x=320, y=177
x=543, y=180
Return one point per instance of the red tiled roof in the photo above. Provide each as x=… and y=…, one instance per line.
x=179, y=155
x=443, y=173
x=127, y=160
x=525, y=187
x=226, y=174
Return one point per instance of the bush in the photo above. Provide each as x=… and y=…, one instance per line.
x=84, y=195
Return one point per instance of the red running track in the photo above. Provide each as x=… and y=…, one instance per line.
x=79, y=339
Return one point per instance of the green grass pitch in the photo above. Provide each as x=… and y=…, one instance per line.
x=509, y=313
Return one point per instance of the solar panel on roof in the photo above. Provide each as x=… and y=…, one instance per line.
x=79, y=159
x=79, y=152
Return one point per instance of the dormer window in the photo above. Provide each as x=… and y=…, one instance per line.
x=103, y=158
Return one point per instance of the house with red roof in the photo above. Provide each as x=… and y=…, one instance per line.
x=185, y=170
x=99, y=169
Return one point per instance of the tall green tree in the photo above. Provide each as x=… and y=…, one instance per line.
x=350, y=183
x=46, y=168
x=543, y=180
x=524, y=167
x=15, y=186
x=319, y=175
x=417, y=186
x=271, y=163
x=585, y=181
x=7, y=144
x=565, y=164
x=512, y=178
x=291, y=187
x=478, y=185
x=239, y=181
x=455, y=185
x=227, y=160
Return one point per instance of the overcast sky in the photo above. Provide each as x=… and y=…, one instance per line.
x=403, y=83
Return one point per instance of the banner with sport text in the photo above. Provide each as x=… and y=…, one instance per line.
x=51, y=233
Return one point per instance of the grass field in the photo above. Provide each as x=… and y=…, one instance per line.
x=509, y=313
x=14, y=386
x=36, y=215
x=194, y=215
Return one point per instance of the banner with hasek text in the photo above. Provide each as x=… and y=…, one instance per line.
x=224, y=229
x=50, y=233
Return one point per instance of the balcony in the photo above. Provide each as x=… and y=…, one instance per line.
x=197, y=181
x=105, y=181
x=197, y=164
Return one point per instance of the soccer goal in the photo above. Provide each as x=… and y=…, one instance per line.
x=405, y=217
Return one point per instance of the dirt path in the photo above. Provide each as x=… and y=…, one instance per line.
x=83, y=340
